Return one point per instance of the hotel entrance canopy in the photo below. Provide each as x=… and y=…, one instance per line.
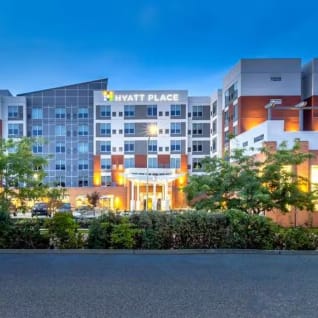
x=155, y=175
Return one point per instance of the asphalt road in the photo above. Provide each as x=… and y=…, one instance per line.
x=44, y=286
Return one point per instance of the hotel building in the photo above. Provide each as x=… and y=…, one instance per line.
x=100, y=140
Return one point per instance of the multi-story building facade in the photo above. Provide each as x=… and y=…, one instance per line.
x=99, y=140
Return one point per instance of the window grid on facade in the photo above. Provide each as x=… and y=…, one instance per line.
x=83, y=112
x=37, y=131
x=14, y=130
x=197, y=129
x=105, y=147
x=196, y=164
x=197, y=111
x=13, y=112
x=152, y=162
x=151, y=110
x=175, y=110
x=129, y=162
x=83, y=147
x=60, y=113
x=105, y=129
x=197, y=146
x=37, y=113
x=60, y=148
x=175, y=146
x=152, y=146
x=83, y=130
x=60, y=165
x=105, y=111
x=175, y=128
x=106, y=181
x=83, y=164
x=129, y=146
x=129, y=110
x=105, y=164
x=37, y=148
x=60, y=131
x=175, y=163
x=129, y=128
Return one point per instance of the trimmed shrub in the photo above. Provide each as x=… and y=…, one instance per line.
x=6, y=230
x=296, y=239
x=124, y=235
x=250, y=231
x=62, y=231
x=27, y=234
x=99, y=235
x=201, y=230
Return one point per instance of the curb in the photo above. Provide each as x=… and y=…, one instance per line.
x=158, y=252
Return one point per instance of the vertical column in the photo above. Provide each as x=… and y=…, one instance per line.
x=165, y=201
x=138, y=198
x=154, y=197
x=132, y=198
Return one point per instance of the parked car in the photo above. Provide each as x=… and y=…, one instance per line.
x=64, y=207
x=40, y=208
x=84, y=213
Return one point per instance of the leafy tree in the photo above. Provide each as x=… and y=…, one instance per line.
x=246, y=183
x=21, y=172
x=55, y=197
x=93, y=198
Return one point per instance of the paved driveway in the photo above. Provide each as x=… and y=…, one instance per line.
x=193, y=286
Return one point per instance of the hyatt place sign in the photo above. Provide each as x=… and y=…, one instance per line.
x=111, y=96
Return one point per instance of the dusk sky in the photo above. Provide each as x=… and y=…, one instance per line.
x=163, y=44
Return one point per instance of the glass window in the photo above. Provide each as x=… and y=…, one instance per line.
x=197, y=146
x=83, y=182
x=153, y=162
x=105, y=146
x=60, y=112
x=197, y=111
x=37, y=148
x=13, y=112
x=105, y=129
x=60, y=147
x=105, y=164
x=60, y=164
x=129, y=110
x=175, y=145
x=214, y=109
x=129, y=128
x=14, y=130
x=83, y=147
x=37, y=113
x=83, y=112
x=152, y=146
x=60, y=130
x=106, y=181
x=152, y=110
x=175, y=163
x=196, y=164
x=37, y=131
x=175, y=110
x=214, y=145
x=235, y=112
x=175, y=128
x=214, y=126
x=83, y=164
x=105, y=111
x=129, y=146
x=231, y=94
x=197, y=129
x=129, y=162
x=83, y=130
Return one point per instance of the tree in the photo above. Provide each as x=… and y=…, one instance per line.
x=55, y=197
x=93, y=198
x=246, y=183
x=21, y=173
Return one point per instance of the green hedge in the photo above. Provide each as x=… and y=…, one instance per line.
x=157, y=230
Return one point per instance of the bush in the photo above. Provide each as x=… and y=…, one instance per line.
x=296, y=239
x=124, y=235
x=157, y=230
x=27, y=234
x=99, y=235
x=6, y=230
x=201, y=230
x=250, y=231
x=62, y=231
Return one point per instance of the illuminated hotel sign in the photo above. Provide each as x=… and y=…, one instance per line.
x=111, y=96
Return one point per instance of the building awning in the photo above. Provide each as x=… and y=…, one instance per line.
x=157, y=175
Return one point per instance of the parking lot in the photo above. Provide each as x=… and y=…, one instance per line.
x=143, y=286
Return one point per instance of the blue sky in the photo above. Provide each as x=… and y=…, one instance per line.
x=163, y=44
